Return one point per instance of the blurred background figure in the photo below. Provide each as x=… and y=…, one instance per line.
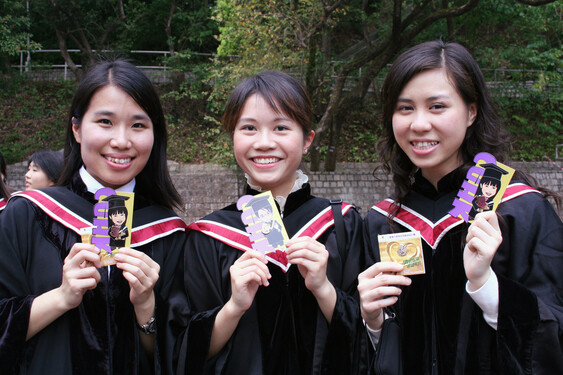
x=5, y=190
x=43, y=169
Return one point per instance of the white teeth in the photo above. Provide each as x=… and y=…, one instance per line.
x=424, y=145
x=265, y=160
x=118, y=161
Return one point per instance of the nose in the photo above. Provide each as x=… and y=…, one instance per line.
x=265, y=140
x=28, y=174
x=420, y=122
x=120, y=138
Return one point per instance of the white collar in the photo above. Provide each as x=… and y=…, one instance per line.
x=300, y=180
x=92, y=185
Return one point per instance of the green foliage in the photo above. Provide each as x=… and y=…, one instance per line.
x=31, y=120
x=14, y=26
x=534, y=121
x=511, y=41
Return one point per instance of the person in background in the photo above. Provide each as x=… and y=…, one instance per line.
x=43, y=169
x=60, y=311
x=248, y=315
x=5, y=190
x=491, y=299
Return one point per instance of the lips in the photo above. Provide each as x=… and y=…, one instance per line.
x=118, y=160
x=424, y=145
x=265, y=160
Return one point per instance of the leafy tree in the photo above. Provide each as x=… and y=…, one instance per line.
x=14, y=30
x=339, y=48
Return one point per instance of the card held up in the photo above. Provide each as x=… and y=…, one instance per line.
x=265, y=227
x=403, y=248
x=113, y=216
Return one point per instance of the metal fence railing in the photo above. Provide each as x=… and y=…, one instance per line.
x=501, y=82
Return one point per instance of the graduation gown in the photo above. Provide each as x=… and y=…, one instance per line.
x=284, y=331
x=443, y=329
x=100, y=335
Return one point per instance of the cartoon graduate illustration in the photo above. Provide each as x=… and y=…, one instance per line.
x=489, y=187
x=271, y=229
x=117, y=219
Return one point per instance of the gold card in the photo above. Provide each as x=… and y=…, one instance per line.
x=403, y=248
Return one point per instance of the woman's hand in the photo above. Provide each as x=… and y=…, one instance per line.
x=247, y=274
x=142, y=274
x=483, y=240
x=311, y=258
x=378, y=288
x=80, y=273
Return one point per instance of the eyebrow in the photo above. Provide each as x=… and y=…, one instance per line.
x=110, y=113
x=431, y=98
x=254, y=120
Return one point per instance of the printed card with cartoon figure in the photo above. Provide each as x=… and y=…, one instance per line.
x=403, y=248
x=265, y=226
x=113, y=218
x=483, y=188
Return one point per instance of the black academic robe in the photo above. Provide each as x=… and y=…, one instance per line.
x=284, y=331
x=100, y=335
x=443, y=329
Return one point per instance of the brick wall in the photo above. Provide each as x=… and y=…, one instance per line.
x=206, y=188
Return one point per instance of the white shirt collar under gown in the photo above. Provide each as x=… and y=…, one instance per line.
x=92, y=185
x=300, y=180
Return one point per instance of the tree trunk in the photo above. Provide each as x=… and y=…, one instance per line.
x=66, y=56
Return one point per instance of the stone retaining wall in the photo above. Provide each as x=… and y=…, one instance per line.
x=206, y=188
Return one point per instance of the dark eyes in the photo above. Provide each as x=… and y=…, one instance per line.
x=253, y=128
x=437, y=106
x=136, y=125
x=433, y=107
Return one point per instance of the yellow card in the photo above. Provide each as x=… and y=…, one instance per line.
x=403, y=248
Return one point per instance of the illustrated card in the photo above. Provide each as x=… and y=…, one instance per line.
x=265, y=226
x=113, y=218
x=403, y=248
x=483, y=187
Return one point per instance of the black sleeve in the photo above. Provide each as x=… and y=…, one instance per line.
x=529, y=266
x=207, y=284
x=15, y=294
x=346, y=336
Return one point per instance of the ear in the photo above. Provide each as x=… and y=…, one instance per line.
x=309, y=139
x=76, y=129
x=472, y=115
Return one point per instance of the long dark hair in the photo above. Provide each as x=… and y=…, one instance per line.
x=486, y=134
x=50, y=162
x=282, y=92
x=154, y=181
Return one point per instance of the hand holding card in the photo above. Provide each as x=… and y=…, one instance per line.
x=403, y=248
x=113, y=216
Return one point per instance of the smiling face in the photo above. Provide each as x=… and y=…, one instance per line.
x=430, y=121
x=35, y=178
x=116, y=137
x=489, y=189
x=118, y=218
x=269, y=146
